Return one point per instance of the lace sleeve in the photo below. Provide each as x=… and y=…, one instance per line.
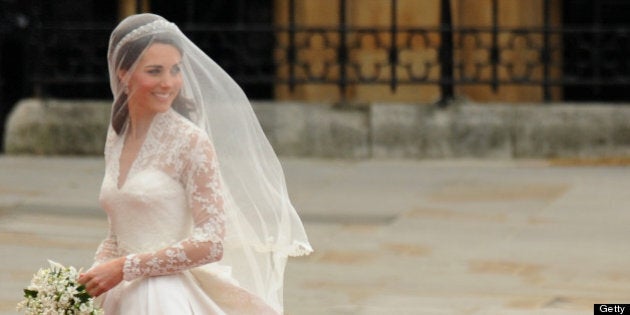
x=108, y=249
x=203, y=188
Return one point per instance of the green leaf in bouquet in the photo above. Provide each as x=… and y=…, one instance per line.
x=83, y=296
x=30, y=293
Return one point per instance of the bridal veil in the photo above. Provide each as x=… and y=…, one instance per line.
x=262, y=226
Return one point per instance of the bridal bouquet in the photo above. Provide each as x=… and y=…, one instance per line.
x=55, y=290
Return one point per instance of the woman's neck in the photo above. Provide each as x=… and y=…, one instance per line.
x=139, y=122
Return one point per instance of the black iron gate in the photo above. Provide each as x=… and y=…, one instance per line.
x=590, y=48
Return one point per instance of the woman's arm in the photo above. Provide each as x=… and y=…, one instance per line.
x=106, y=272
x=203, y=188
x=204, y=195
x=107, y=250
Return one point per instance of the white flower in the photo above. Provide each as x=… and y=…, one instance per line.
x=55, y=290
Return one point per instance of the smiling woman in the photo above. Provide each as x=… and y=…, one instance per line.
x=147, y=66
x=151, y=88
x=156, y=81
x=200, y=219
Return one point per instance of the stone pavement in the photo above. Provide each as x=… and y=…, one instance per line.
x=391, y=237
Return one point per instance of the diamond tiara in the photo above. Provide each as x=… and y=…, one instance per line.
x=156, y=26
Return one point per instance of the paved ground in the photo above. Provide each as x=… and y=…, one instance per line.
x=391, y=237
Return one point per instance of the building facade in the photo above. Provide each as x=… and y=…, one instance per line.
x=356, y=51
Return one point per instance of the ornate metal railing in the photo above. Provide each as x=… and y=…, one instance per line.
x=69, y=59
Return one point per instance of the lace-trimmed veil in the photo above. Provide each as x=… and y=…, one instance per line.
x=263, y=228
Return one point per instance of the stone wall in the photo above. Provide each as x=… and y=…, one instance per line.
x=56, y=127
x=379, y=130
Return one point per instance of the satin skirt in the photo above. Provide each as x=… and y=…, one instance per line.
x=193, y=291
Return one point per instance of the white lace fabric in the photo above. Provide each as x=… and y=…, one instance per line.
x=206, y=189
x=147, y=210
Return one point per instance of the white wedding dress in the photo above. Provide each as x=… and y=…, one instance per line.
x=168, y=217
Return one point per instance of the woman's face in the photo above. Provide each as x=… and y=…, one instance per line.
x=156, y=79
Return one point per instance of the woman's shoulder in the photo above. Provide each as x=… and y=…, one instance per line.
x=183, y=128
x=181, y=124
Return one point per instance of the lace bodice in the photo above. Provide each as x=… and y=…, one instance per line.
x=168, y=214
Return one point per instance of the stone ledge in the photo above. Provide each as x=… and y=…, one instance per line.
x=380, y=130
x=56, y=127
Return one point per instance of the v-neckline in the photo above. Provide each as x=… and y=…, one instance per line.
x=120, y=182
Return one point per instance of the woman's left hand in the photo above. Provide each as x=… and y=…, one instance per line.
x=102, y=278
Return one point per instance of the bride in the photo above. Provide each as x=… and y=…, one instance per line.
x=200, y=221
